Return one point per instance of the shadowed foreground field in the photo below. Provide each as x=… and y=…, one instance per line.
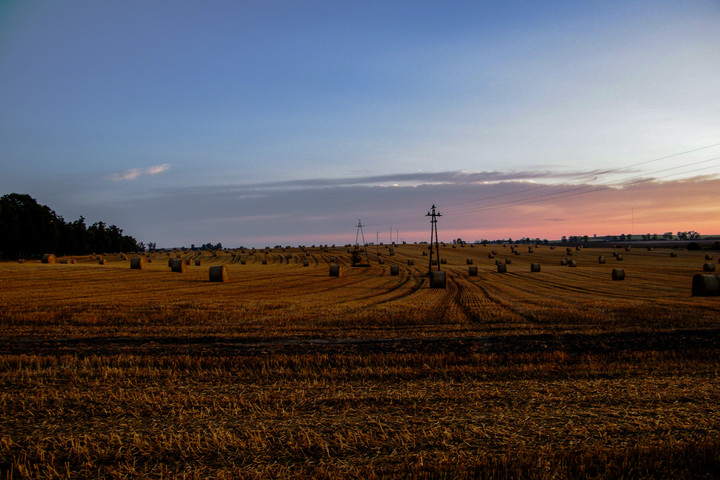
x=284, y=371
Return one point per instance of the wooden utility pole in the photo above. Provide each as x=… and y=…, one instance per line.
x=433, y=231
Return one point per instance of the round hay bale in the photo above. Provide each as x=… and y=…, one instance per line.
x=64, y=261
x=443, y=261
x=335, y=270
x=708, y=267
x=48, y=258
x=306, y=263
x=170, y=262
x=333, y=260
x=530, y=250
x=704, y=285
x=708, y=257
x=490, y=255
x=424, y=253
x=619, y=258
x=138, y=263
x=494, y=252
x=243, y=261
x=572, y=263
x=498, y=261
x=394, y=270
x=552, y=247
x=601, y=259
x=264, y=261
x=502, y=268
x=517, y=252
x=381, y=261
x=178, y=266
x=198, y=262
x=438, y=279
x=411, y=262
x=568, y=250
x=673, y=254
x=433, y=261
x=101, y=261
x=21, y=260
x=218, y=273
x=187, y=262
x=508, y=261
x=618, y=274
x=627, y=248
x=534, y=267
x=469, y=261
x=473, y=270
x=615, y=254
x=563, y=261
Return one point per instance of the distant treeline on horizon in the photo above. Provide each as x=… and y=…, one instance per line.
x=28, y=229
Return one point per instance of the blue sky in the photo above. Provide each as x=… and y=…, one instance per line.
x=282, y=122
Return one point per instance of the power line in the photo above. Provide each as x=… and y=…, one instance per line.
x=593, y=174
x=583, y=189
x=593, y=188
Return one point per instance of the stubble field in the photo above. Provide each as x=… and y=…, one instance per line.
x=284, y=371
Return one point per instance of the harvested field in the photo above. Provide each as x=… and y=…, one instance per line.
x=284, y=371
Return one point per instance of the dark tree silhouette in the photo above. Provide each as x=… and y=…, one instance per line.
x=30, y=229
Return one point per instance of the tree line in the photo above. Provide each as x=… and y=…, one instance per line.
x=28, y=229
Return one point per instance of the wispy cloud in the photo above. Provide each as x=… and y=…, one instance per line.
x=133, y=173
x=449, y=178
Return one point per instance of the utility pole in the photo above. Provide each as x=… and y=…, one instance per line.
x=358, y=233
x=377, y=243
x=433, y=231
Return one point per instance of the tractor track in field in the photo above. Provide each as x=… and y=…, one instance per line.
x=418, y=284
x=503, y=305
x=693, y=342
x=469, y=302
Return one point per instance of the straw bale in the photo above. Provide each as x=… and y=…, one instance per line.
x=218, y=273
x=705, y=285
x=438, y=279
x=138, y=263
x=178, y=266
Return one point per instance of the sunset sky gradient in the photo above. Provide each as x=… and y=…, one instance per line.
x=254, y=123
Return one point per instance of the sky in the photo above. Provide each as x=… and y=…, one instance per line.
x=262, y=123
